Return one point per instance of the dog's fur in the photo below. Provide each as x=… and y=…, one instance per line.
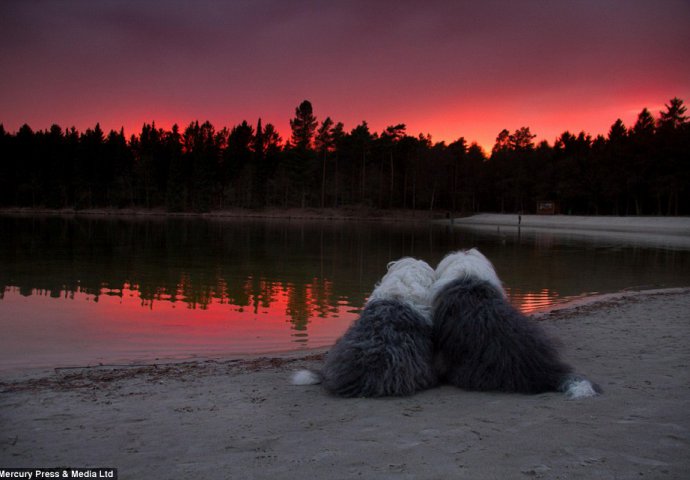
x=388, y=350
x=465, y=264
x=481, y=342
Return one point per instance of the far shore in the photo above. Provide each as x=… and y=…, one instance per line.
x=356, y=213
x=655, y=232
x=637, y=224
x=633, y=224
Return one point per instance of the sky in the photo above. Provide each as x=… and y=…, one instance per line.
x=446, y=68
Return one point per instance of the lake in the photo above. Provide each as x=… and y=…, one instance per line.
x=86, y=290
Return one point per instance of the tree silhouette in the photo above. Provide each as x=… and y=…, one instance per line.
x=642, y=170
x=673, y=169
x=267, y=168
x=177, y=187
x=202, y=151
x=674, y=117
x=303, y=126
x=641, y=160
x=239, y=165
x=390, y=139
x=337, y=139
x=324, y=144
x=360, y=148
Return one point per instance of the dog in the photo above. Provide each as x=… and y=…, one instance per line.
x=481, y=342
x=388, y=350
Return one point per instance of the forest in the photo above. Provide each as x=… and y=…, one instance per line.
x=643, y=169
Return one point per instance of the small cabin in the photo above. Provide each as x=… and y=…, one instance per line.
x=547, y=207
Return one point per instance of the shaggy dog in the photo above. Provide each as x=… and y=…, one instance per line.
x=388, y=350
x=482, y=343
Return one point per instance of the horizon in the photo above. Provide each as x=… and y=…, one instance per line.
x=446, y=69
x=285, y=138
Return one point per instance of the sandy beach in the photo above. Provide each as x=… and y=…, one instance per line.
x=658, y=232
x=241, y=418
x=632, y=224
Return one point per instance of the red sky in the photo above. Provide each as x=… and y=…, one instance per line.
x=448, y=68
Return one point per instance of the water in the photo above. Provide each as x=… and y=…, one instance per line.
x=79, y=291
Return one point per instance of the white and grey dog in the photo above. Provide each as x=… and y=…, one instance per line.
x=388, y=350
x=481, y=342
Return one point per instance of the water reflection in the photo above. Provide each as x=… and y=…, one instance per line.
x=246, y=264
x=102, y=288
x=531, y=302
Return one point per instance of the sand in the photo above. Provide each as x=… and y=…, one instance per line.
x=658, y=232
x=241, y=418
x=665, y=225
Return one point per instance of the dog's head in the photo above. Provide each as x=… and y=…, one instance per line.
x=466, y=264
x=407, y=279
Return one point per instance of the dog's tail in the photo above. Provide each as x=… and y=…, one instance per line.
x=306, y=377
x=575, y=386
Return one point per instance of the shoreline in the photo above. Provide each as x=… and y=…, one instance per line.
x=635, y=224
x=242, y=418
x=268, y=359
x=17, y=373
x=337, y=214
x=656, y=232
x=631, y=224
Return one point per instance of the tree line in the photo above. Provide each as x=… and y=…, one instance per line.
x=639, y=170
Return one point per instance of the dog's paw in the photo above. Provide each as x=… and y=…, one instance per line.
x=305, y=377
x=577, y=387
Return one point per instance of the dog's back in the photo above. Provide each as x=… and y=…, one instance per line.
x=483, y=343
x=386, y=352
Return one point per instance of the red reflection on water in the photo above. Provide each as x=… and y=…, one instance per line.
x=81, y=329
x=531, y=302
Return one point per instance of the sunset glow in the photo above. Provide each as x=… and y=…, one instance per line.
x=80, y=328
x=450, y=69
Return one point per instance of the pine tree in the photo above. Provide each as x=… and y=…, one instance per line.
x=674, y=116
x=324, y=143
x=303, y=126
